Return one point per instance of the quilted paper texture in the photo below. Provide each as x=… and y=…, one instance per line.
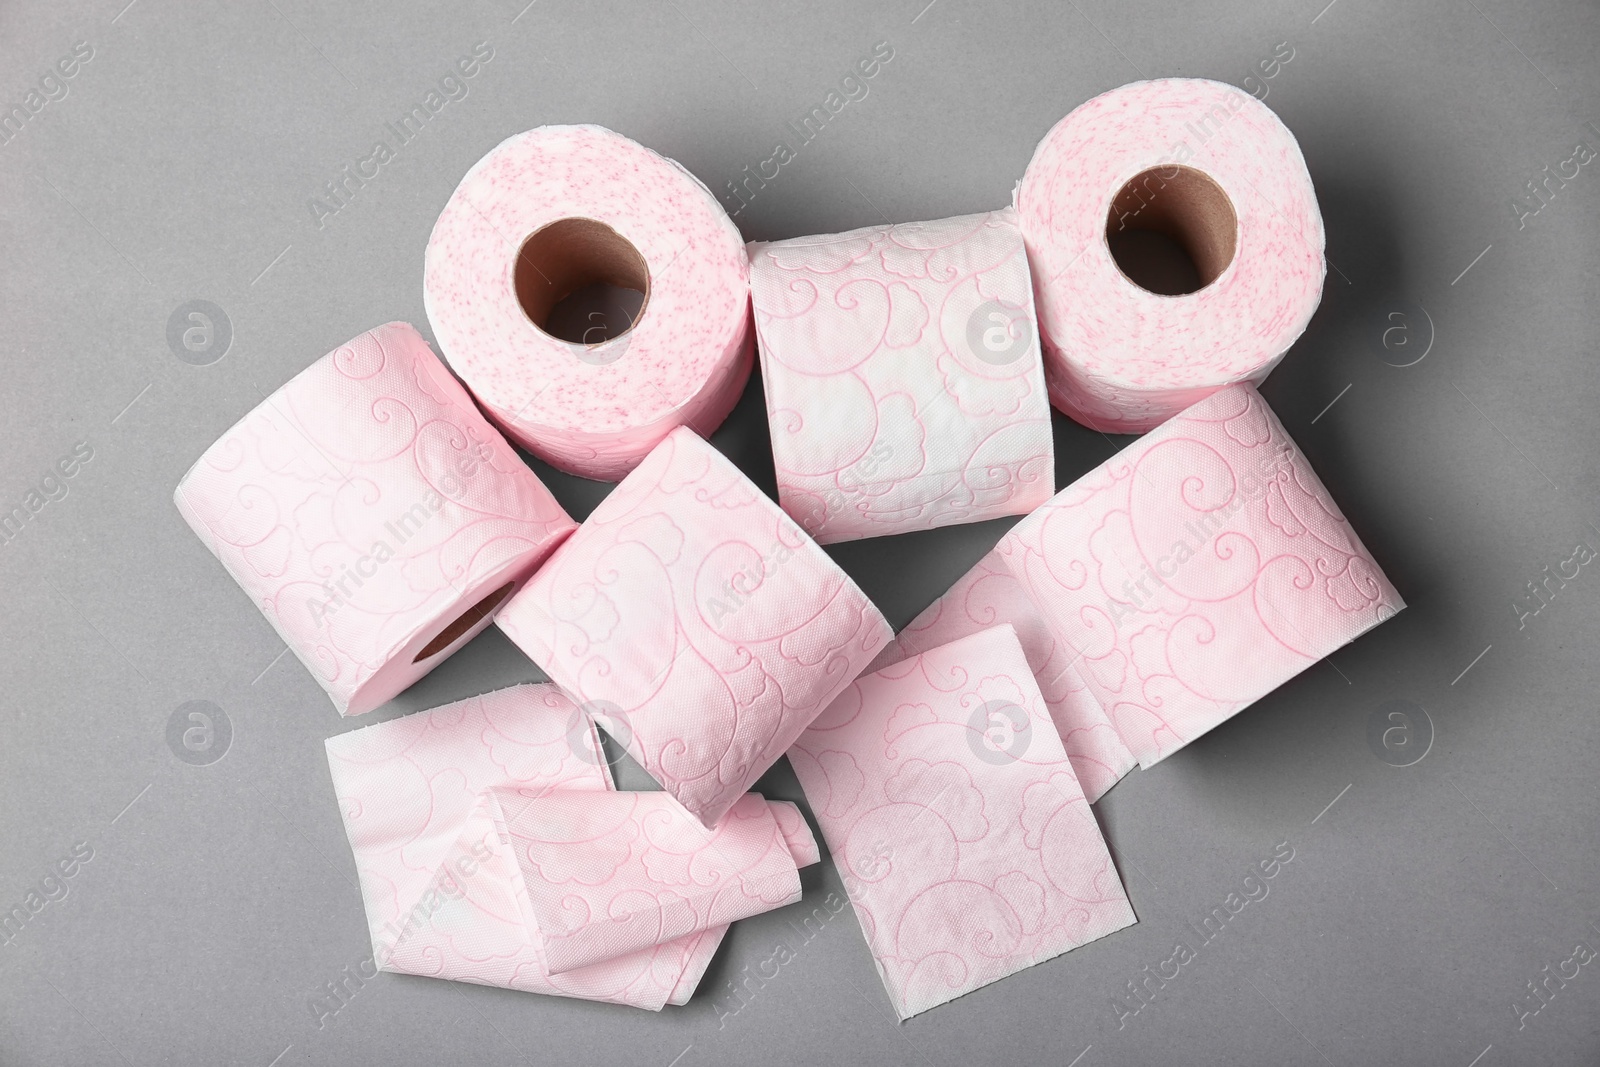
x=902, y=374
x=958, y=825
x=1196, y=571
x=697, y=623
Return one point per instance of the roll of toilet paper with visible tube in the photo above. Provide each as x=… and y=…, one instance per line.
x=557, y=210
x=1196, y=571
x=902, y=376
x=1214, y=169
x=372, y=514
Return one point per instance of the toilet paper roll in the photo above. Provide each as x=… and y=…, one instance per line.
x=440, y=880
x=697, y=623
x=1212, y=168
x=557, y=210
x=1196, y=571
x=903, y=383
x=372, y=515
x=958, y=826
x=988, y=595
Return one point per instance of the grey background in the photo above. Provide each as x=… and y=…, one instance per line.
x=221, y=898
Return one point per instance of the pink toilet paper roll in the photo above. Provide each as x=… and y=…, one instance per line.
x=558, y=209
x=966, y=845
x=615, y=874
x=1211, y=167
x=987, y=595
x=902, y=376
x=1196, y=571
x=697, y=623
x=372, y=514
x=443, y=891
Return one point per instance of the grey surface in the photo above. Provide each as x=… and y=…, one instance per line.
x=220, y=898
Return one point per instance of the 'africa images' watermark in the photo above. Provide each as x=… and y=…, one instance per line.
x=339, y=191
x=1252, y=486
x=853, y=87
x=401, y=528
x=1139, y=993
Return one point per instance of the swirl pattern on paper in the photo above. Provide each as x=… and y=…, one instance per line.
x=444, y=894
x=1196, y=571
x=615, y=874
x=987, y=595
x=365, y=506
x=902, y=375
x=698, y=623
x=969, y=854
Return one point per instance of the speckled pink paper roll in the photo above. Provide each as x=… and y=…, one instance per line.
x=372, y=515
x=597, y=409
x=1118, y=357
x=902, y=376
x=1196, y=571
x=697, y=623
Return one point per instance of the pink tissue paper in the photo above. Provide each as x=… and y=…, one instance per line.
x=1196, y=571
x=964, y=840
x=444, y=894
x=596, y=409
x=1120, y=358
x=617, y=873
x=372, y=515
x=902, y=375
x=696, y=623
x=989, y=594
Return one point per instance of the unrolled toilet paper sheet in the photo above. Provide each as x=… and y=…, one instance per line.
x=956, y=819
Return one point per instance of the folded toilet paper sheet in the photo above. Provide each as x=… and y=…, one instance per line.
x=966, y=844
x=372, y=515
x=1196, y=571
x=903, y=383
x=696, y=623
x=444, y=893
x=615, y=873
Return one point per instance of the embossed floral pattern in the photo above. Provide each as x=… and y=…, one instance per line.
x=443, y=891
x=968, y=855
x=902, y=375
x=364, y=507
x=987, y=595
x=685, y=361
x=614, y=874
x=698, y=624
x=1196, y=571
x=1122, y=359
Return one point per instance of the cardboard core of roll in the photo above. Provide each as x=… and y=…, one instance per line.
x=466, y=621
x=1185, y=205
x=571, y=254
